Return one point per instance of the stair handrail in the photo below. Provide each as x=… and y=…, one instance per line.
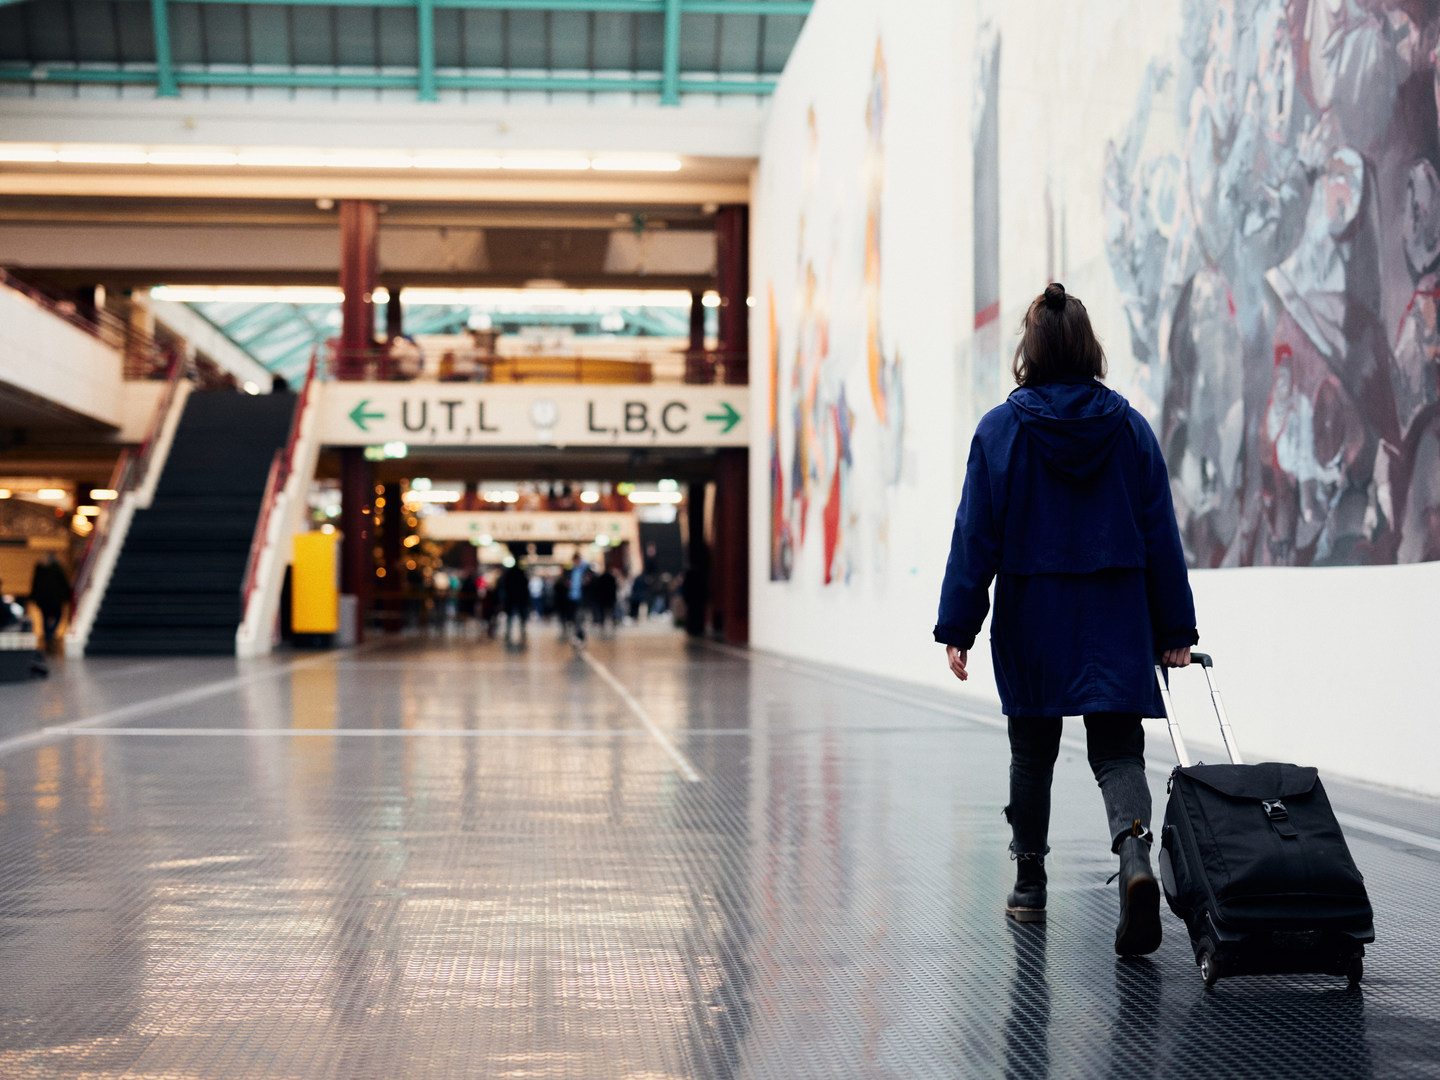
x=280, y=468
x=130, y=472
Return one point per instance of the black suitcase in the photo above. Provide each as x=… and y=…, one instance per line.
x=1252, y=858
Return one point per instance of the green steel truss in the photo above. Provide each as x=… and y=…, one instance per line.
x=426, y=81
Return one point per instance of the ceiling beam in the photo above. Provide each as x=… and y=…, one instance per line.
x=425, y=40
x=164, y=69
x=583, y=189
x=670, y=57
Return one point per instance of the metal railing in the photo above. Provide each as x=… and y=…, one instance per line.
x=280, y=468
x=142, y=356
x=462, y=365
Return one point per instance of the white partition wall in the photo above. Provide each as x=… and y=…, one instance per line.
x=1247, y=197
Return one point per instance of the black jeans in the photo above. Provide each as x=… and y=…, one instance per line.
x=1116, y=745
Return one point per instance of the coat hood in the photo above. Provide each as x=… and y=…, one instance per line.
x=1072, y=426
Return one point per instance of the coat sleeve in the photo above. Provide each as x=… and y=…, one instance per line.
x=1167, y=582
x=974, y=558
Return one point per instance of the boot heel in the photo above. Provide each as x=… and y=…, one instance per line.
x=1024, y=914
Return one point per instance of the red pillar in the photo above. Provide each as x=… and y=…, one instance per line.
x=698, y=368
x=732, y=543
x=359, y=229
x=732, y=260
x=357, y=565
x=359, y=225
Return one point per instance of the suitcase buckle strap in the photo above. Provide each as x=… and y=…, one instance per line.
x=1279, y=817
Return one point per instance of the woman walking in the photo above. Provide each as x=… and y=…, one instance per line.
x=1066, y=506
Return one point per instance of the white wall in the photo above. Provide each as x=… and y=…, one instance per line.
x=813, y=191
x=46, y=356
x=1319, y=664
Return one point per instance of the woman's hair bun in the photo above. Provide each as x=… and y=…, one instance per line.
x=1055, y=296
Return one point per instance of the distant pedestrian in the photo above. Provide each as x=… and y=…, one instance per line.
x=514, y=590
x=570, y=591
x=606, y=590
x=50, y=592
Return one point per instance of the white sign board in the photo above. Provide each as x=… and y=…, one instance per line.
x=573, y=526
x=482, y=414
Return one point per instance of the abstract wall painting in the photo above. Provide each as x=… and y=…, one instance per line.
x=835, y=380
x=1279, y=265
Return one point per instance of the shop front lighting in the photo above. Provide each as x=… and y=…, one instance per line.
x=103, y=494
x=589, y=497
x=501, y=496
x=327, y=529
x=436, y=496
x=710, y=298
x=602, y=540
x=50, y=494
x=87, y=511
x=5, y=493
x=655, y=498
x=411, y=541
x=251, y=388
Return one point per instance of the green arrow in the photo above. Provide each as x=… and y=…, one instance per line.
x=358, y=415
x=729, y=417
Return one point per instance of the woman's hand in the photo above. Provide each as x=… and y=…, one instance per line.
x=1176, y=657
x=957, y=661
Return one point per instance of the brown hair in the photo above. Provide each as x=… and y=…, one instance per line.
x=1056, y=341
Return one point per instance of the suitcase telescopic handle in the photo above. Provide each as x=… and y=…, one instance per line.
x=1227, y=736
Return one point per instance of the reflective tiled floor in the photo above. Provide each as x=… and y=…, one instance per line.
x=436, y=858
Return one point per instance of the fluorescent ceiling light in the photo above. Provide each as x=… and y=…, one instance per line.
x=50, y=494
x=635, y=164
x=454, y=161
x=248, y=294
x=284, y=159
x=710, y=299
x=103, y=494
x=22, y=152
x=361, y=159
x=192, y=157
x=543, y=164
x=101, y=155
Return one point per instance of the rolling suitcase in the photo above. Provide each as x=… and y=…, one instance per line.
x=1252, y=858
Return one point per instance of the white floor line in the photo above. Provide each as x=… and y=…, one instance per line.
x=687, y=770
x=189, y=696
x=801, y=667
x=375, y=733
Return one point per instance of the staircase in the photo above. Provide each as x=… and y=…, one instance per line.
x=176, y=585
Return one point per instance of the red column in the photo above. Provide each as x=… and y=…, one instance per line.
x=732, y=260
x=698, y=368
x=359, y=225
x=359, y=229
x=732, y=543
x=357, y=563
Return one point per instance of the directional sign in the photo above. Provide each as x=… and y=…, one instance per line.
x=480, y=414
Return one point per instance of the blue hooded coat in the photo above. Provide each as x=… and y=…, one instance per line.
x=1067, y=506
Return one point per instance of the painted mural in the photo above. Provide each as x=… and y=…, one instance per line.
x=835, y=380
x=1278, y=266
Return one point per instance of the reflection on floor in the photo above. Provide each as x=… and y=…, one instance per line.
x=435, y=859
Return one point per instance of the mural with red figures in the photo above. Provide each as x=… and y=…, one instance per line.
x=822, y=390
x=1279, y=265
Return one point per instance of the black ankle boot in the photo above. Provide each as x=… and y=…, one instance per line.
x=1139, y=929
x=1026, y=902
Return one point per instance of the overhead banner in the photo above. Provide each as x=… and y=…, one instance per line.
x=480, y=414
x=500, y=526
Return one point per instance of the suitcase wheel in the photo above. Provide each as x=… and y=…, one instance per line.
x=1209, y=960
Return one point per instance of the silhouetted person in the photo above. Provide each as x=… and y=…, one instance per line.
x=50, y=592
x=607, y=596
x=514, y=590
x=696, y=590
